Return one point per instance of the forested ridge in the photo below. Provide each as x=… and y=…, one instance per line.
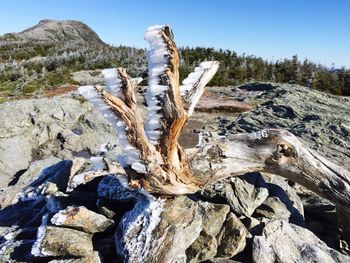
x=30, y=68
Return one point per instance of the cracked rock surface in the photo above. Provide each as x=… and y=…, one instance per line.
x=65, y=198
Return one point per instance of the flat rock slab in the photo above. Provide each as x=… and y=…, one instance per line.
x=66, y=242
x=37, y=129
x=284, y=242
x=320, y=119
x=214, y=102
x=82, y=219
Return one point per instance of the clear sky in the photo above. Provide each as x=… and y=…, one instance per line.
x=272, y=29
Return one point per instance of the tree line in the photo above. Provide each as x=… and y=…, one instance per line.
x=29, y=68
x=237, y=69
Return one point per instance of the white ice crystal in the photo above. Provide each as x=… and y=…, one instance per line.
x=93, y=96
x=36, y=248
x=113, y=82
x=113, y=85
x=200, y=76
x=144, y=218
x=158, y=59
x=257, y=135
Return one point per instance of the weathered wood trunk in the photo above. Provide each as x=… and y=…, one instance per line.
x=277, y=152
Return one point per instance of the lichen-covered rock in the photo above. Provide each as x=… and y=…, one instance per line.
x=93, y=258
x=323, y=219
x=284, y=242
x=205, y=246
x=272, y=207
x=8, y=195
x=320, y=119
x=243, y=193
x=36, y=129
x=82, y=219
x=159, y=230
x=253, y=225
x=179, y=227
x=279, y=188
x=232, y=237
x=59, y=241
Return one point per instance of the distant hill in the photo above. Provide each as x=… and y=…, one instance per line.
x=43, y=57
x=54, y=30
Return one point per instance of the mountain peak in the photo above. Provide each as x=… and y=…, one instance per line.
x=58, y=30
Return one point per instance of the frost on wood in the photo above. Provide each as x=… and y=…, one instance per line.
x=192, y=87
x=91, y=94
x=156, y=162
x=158, y=62
x=114, y=86
x=153, y=158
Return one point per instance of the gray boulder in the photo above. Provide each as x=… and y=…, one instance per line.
x=272, y=207
x=65, y=242
x=38, y=129
x=243, y=193
x=287, y=196
x=82, y=219
x=205, y=246
x=232, y=237
x=284, y=242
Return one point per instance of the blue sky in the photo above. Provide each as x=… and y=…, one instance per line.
x=272, y=29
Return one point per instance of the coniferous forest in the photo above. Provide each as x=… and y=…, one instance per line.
x=29, y=69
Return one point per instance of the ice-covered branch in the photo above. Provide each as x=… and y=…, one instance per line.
x=153, y=157
x=167, y=116
x=118, y=105
x=192, y=87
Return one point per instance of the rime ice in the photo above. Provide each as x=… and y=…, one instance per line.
x=158, y=62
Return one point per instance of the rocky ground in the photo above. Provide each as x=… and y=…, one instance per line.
x=64, y=198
